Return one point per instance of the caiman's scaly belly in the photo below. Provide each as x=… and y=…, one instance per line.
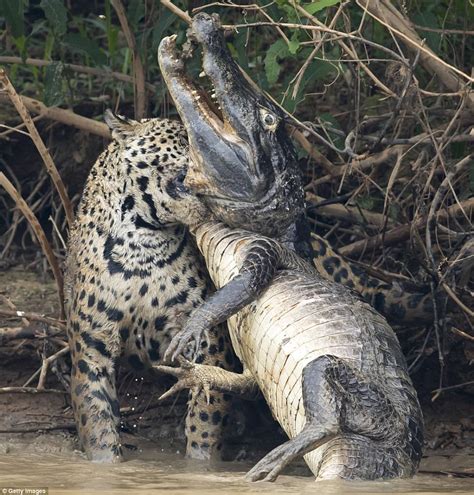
x=298, y=318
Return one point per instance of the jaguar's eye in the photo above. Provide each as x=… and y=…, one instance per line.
x=183, y=140
x=179, y=179
x=175, y=186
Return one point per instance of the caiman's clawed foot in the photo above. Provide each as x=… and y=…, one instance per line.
x=179, y=343
x=196, y=377
x=201, y=377
x=268, y=468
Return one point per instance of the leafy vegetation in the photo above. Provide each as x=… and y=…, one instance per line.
x=88, y=33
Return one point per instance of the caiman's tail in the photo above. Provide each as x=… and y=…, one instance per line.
x=355, y=457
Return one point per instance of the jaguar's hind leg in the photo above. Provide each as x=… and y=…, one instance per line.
x=336, y=400
x=208, y=414
x=94, y=397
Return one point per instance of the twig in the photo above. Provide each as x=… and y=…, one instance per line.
x=40, y=235
x=312, y=151
x=346, y=48
x=400, y=234
x=462, y=334
x=67, y=117
x=299, y=76
x=46, y=362
x=403, y=93
x=348, y=213
x=93, y=71
x=16, y=333
x=30, y=390
x=176, y=10
x=438, y=198
x=360, y=164
x=386, y=14
x=43, y=151
x=444, y=30
x=452, y=387
x=138, y=69
x=7, y=301
x=456, y=299
x=67, y=426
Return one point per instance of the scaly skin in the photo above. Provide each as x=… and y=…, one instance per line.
x=329, y=366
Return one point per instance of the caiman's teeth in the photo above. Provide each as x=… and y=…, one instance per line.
x=202, y=74
x=194, y=92
x=198, y=97
x=213, y=96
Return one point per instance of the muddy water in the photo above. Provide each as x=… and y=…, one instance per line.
x=168, y=472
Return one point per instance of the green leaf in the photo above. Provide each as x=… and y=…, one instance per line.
x=314, y=7
x=294, y=44
x=13, y=11
x=56, y=14
x=318, y=70
x=331, y=124
x=366, y=202
x=135, y=12
x=112, y=31
x=48, y=46
x=240, y=45
x=20, y=43
x=289, y=12
x=80, y=43
x=53, y=85
x=394, y=211
x=278, y=50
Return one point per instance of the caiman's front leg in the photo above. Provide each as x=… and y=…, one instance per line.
x=263, y=259
x=201, y=377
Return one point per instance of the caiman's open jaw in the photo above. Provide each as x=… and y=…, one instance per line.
x=242, y=163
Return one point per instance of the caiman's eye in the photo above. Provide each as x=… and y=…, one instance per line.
x=270, y=121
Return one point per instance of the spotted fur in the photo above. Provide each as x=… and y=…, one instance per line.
x=398, y=303
x=132, y=275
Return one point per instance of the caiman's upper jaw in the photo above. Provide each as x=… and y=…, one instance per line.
x=220, y=158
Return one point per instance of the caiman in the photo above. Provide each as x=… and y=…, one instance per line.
x=248, y=173
x=329, y=366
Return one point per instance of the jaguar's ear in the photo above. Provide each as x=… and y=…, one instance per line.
x=120, y=126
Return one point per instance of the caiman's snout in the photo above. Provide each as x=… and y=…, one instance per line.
x=170, y=62
x=241, y=159
x=206, y=29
